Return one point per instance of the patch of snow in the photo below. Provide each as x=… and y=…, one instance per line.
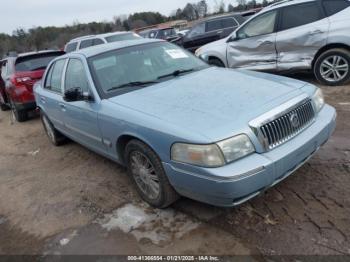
x=66, y=240
x=156, y=225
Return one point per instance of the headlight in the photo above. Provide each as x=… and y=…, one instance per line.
x=197, y=52
x=236, y=147
x=214, y=155
x=200, y=155
x=318, y=100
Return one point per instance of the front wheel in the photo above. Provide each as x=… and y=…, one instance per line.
x=332, y=68
x=216, y=62
x=148, y=174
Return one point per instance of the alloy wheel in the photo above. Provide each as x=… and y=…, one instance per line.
x=144, y=174
x=334, y=68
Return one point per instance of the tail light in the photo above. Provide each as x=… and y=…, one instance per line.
x=23, y=88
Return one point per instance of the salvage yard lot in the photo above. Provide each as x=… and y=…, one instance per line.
x=69, y=200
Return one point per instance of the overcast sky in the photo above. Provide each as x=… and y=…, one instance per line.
x=31, y=13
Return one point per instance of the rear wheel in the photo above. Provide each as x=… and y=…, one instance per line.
x=333, y=67
x=54, y=135
x=216, y=62
x=148, y=174
x=19, y=114
x=4, y=107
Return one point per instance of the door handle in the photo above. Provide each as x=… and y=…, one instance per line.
x=267, y=42
x=62, y=106
x=43, y=99
x=316, y=32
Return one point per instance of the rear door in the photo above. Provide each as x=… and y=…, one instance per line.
x=80, y=117
x=302, y=31
x=52, y=97
x=254, y=46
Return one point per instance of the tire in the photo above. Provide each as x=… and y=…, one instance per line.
x=152, y=171
x=332, y=67
x=55, y=137
x=216, y=62
x=20, y=115
x=4, y=107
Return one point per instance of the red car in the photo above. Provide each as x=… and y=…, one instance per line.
x=19, y=73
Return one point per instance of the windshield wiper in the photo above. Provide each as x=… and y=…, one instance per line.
x=177, y=73
x=132, y=84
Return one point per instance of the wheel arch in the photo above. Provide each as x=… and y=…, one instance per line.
x=122, y=142
x=329, y=47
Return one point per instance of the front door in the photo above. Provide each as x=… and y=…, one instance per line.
x=303, y=30
x=254, y=46
x=81, y=116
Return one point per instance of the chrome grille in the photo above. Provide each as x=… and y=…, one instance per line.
x=287, y=126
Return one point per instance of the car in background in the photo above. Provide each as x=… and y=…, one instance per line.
x=210, y=30
x=93, y=40
x=19, y=74
x=291, y=36
x=169, y=34
x=3, y=97
x=182, y=127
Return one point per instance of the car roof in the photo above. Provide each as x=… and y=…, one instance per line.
x=99, y=49
x=286, y=3
x=235, y=15
x=99, y=35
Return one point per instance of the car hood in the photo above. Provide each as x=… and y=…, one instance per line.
x=213, y=102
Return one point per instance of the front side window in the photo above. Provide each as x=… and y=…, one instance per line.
x=335, y=6
x=229, y=22
x=197, y=30
x=54, y=77
x=76, y=76
x=122, y=37
x=71, y=47
x=299, y=15
x=116, y=70
x=86, y=43
x=98, y=41
x=261, y=25
x=213, y=25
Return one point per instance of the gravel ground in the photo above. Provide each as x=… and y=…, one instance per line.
x=69, y=200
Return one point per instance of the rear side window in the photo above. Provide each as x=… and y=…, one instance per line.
x=34, y=62
x=299, y=15
x=335, y=6
x=54, y=77
x=71, y=47
x=213, y=25
x=86, y=43
x=228, y=22
x=197, y=30
x=75, y=76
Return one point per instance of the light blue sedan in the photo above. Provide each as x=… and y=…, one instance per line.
x=179, y=126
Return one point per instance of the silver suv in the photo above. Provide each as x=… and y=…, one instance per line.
x=290, y=35
x=92, y=40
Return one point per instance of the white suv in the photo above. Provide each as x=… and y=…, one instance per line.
x=291, y=35
x=92, y=40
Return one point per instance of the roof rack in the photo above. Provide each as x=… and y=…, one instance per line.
x=279, y=3
x=82, y=37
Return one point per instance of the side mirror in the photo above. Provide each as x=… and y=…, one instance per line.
x=233, y=38
x=204, y=58
x=76, y=94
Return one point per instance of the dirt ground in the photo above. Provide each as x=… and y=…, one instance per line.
x=69, y=200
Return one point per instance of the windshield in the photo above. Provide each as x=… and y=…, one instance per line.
x=122, y=37
x=138, y=66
